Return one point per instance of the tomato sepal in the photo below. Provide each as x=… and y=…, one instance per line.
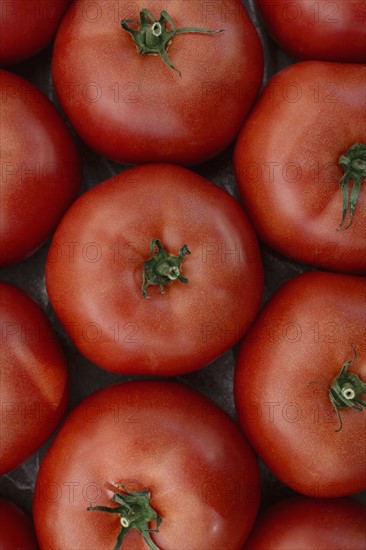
x=346, y=390
x=162, y=268
x=153, y=36
x=135, y=512
x=353, y=163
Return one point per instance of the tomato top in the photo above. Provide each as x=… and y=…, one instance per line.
x=155, y=437
x=300, y=384
x=98, y=270
x=323, y=30
x=304, y=135
x=134, y=107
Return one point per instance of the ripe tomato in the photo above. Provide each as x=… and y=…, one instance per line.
x=287, y=163
x=17, y=531
x=329, y=31
x=310, y=524
x=97, y=264
x=143, y=109
x=40, y=168
x=34, y=379
x=297, y=409
x=154, y=437
x=27, y=26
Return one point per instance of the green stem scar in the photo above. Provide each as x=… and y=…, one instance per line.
x=346, y=390
x=153, y=36
x=162, y=268
x=353, y=163
x=135, y=512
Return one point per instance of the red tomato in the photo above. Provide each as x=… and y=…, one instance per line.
x=135, y=108
x=17, y=531
x=288, y=382
x=310, y=524
x=287, y=164
x=157, y=437
x=95, y=266
x=40, y=170
x=329, y=31
x=34, y=378
x=27, y=26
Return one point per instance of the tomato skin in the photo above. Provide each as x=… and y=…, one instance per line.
x=300, y=523
x=34, y=378
x=286, y=162
x=94, y=272
x=160, y=436
x=41, y=171
x=27, y=27
x=19, y=532
x=322, y=30
x=285, y=367
x=143, y=110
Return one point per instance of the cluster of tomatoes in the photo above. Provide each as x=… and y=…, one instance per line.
x=154, y=277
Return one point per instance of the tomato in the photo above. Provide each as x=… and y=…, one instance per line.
x=291, y=155
x=155, y=437
x=310, y=524
x=27, y=27
x=99, y=261
x=300, y=384
x=34, y=378
x=40, y=170
x=329, y=31
x=183, y=110
x=17, y=531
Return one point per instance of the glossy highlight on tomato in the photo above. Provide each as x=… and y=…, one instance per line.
x=41, y=172
x=159, y=437
x=321, y=30
x=291, y=155
x=96, y=272
x=144, y=110
x=300, y=384
x=34, y=378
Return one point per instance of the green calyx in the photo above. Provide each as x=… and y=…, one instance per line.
x=153, y=36
x=135, y=512
x=353, y=163
x=346, y=390
x=162, y=268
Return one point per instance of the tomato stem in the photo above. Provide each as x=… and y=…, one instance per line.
x=162, y=268
x=135, y=512
x=153, y=37
x=353, y=163
x=346, y=391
